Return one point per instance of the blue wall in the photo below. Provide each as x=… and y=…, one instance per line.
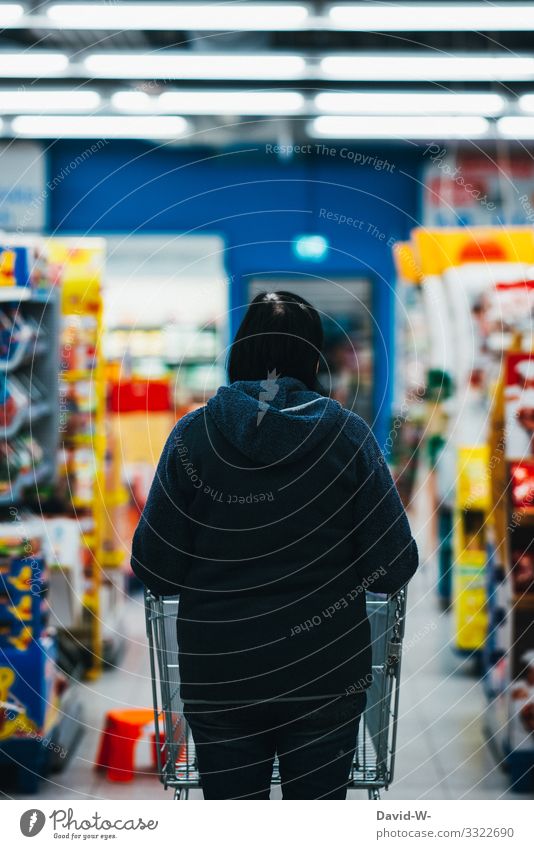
x=258, y=202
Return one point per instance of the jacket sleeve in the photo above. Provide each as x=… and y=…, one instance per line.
x=162, y=541
x=386, y=552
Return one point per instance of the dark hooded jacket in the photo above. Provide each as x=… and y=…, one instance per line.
x=272, y=510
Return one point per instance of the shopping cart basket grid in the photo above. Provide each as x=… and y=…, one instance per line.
x=374, y=758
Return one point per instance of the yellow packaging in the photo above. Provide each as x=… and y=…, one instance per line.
x=473, y=479
x=437, y=250
x=470, y=613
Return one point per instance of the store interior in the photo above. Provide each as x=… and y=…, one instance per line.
x=161, y=166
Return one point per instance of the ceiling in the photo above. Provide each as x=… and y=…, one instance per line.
x=282, y=54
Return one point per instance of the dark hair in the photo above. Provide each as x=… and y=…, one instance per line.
x=280, y=331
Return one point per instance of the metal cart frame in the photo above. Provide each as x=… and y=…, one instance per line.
x=374, y=759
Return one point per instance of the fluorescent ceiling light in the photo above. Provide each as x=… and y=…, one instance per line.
x=82, y=100
x=99, y=126
x=232, y=102
x=433, y=17
x=427, y=66
x=27, y=63
x=397, y=127
x=180, y=16
x=409, y=103
x=10, y=13
x=526, y=103
x=211, y=102
x=516, y=127
x=133, y=101
x=185, y=65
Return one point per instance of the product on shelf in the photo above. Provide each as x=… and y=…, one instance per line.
x=84, y=437
x=15, y=265
x=478, y=296
x=79, y=340
x=469, y=574
x=25, y=263
x=28, y=369
x=408, y=419
x=64, y=550
x=477, y=292
x=79, y=476
x=510, y=641
x=21, y=338
x=30, y=682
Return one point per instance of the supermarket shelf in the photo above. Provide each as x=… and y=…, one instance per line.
x=26, y=350
x=113, y=559
x=81, y=438
x=26, y=416
x=14, y=294
x=11, y=294
x=73, y=375
x=117, y=499
x=82, y=503
x=523, y=599
x=192, y=361
x=81, y=297
x=41, y=296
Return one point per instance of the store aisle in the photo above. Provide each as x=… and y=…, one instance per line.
x=441, y=753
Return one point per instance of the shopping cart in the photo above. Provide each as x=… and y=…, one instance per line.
x=374, y=759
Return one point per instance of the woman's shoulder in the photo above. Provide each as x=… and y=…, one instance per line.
x=187, y=425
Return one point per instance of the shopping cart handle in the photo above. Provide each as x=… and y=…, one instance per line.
x=150, y=596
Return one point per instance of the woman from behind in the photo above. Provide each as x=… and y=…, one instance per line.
x=272, y=510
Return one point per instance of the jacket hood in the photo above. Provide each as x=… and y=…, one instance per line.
x=277, y=420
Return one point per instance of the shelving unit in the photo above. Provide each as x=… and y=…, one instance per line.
x=84, y=445
x=28, y=674
x=509, y=655
x=407, y=414
x=476, y=281
x=35, y=359
x=470, y=549
x=82, y=427
x=480, y=367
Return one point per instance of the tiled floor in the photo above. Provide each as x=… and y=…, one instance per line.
x=441, y=750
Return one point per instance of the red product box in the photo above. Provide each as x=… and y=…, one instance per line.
x=140, y=396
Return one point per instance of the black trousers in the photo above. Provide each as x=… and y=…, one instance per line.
x=314, y=740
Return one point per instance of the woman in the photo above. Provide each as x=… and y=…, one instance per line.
x=271, y=511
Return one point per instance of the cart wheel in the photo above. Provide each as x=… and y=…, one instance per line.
x=373, y=794
x=181, y=794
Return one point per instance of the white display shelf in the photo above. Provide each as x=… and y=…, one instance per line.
x=16, y=294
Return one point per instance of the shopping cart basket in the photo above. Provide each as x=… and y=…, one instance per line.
x=374, y=759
